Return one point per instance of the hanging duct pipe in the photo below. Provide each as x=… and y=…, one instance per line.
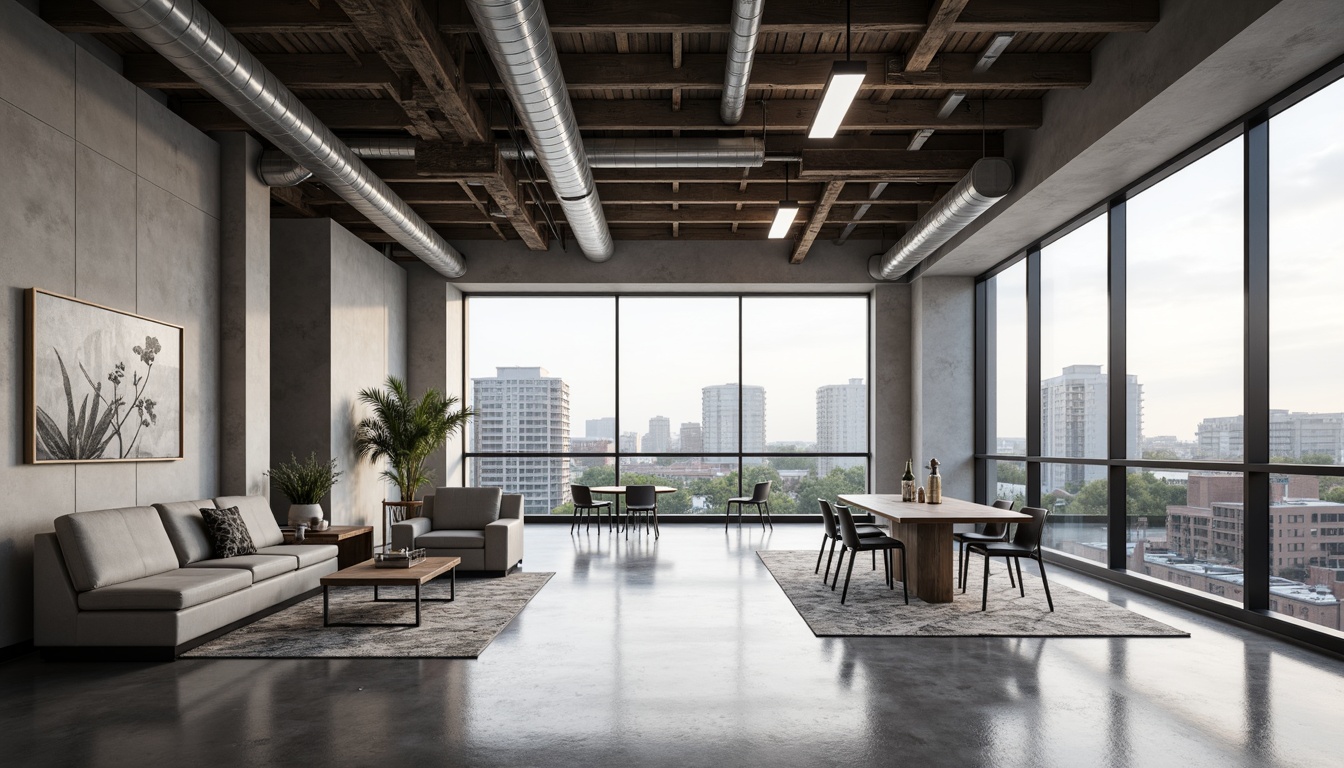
x=185, y=33
x=746, y=25
x=665, y=153
x=518, y=37
x=989, y=180
x=280, y=170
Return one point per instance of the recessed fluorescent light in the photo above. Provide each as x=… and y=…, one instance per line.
x=784, y=216
x=993, y=51
x=950, y=104
x=921, y=136
x=841, y=88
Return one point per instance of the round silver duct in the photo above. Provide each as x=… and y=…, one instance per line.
x=187, y=35
x=745, y=28
x=665, y=153
x=519, y=40
x=277, y=169
x=988, y=181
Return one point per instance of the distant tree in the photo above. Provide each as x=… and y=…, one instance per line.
x=1161, y=454
x=1335, y=494
x=1147, y=495
x=1012, y=472
x=1091, y=499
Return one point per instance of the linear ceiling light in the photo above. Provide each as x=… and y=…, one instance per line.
x=841, y=88
x=950, y=103
x=785, y=213
x=993, y=51
x=917, y=141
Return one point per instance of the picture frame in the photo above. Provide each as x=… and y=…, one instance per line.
x=101, y=384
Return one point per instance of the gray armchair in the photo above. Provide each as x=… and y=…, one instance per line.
x=483, y=526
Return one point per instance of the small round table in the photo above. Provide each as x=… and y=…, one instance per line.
x=619, y=490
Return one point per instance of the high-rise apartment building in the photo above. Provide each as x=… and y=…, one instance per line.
x=659, y=437
x=629, y=442
x=1073, y=423
x=690, y=439
x=1292, y=435
x=842, y=424
x=523, y=410
x=603, y=427
x=719, y=420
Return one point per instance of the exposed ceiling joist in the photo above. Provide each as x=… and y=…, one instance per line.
x=942, y=16
x=814, y=224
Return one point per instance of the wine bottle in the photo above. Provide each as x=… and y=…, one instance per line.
x=908, y=482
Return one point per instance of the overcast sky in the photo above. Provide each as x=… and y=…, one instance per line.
x=1185, y=285
x=671, y=347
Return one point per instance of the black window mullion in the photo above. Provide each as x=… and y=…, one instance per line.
x=1256, y=555
x=1117, y=388
x=982, y=410
x=1034, y=375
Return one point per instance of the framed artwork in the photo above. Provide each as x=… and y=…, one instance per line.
x=102, y=384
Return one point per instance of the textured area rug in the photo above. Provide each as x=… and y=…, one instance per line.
x=458, y=630
x=872, y=610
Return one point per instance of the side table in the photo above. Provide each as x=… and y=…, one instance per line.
x=354, y=543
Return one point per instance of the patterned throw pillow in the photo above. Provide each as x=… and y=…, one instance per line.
x=228, y=533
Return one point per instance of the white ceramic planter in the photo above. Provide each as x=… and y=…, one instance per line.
x=304, y=513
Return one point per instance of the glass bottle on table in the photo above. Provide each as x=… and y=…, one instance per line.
x=935, y=483
x=908, y=482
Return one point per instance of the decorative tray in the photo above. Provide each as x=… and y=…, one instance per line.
x=398, y=558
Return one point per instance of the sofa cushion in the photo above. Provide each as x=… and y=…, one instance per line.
x=171, y=591
x=465, y=509
x=451, y=540
x=109, y=546
x=256, y=511
x=186, y=529
x=262, y=567
x=227, y=531
x=304, y=554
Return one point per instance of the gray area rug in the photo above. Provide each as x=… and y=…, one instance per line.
x=458, y=630
x=872, y=610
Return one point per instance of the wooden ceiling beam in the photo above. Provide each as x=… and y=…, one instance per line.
x=643, y=214
x=733, y=232
x=765, y=194
x=483, y=163
x=818, y=218
x=942, y=16
x=797, y=114
x=259, y=17
x=304, y=71
x=886, y=165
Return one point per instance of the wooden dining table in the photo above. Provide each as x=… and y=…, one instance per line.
x=619, y=490
x=926, y=530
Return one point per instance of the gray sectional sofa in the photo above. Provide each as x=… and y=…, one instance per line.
x=483, y=526
x=144, y=578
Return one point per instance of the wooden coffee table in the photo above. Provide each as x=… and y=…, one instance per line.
x=366, y=574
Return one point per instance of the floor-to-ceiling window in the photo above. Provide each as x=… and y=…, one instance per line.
x=1211, y=290
x=706, y=394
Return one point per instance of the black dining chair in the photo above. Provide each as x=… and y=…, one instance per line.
x=642, y=499
x=760, y=498
x=831, y=533
x=983, y=532
x=585, y=507
x=1026, y=543
x=854, y=544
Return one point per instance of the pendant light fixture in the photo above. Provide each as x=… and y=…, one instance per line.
x=785, y=213
x=841, y=88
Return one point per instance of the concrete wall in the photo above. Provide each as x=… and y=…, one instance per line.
x=338, y=326
x=434, y=338
x=942, y=367
x=107, y=196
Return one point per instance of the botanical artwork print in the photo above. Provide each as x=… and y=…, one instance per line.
x=106, y=385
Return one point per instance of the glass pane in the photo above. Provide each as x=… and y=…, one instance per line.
x=1185, y=307
x=1008, y=374
x=1306, y=316
x=1009, y=481
x=810, y=356
x=1306, y=549
x=1185, y=528
x=1077, y=497
x=544, y=482
x=679, y=371
x=803, y=488
x=529, y=389
x=1073, y=345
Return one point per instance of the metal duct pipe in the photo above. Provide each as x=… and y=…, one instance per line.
x=185, y=33
x=987, y=182
x=277, y=169
x=746, y=26
x=664, y=153
x=519, y=40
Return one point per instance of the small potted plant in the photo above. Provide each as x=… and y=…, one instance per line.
x=305, y=483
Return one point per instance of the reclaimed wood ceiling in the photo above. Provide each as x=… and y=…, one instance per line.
x=655, y=69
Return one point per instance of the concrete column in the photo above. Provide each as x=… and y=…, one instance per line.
x=942, y=380
x=434, y=336
x=890, y=422
x=244, y=318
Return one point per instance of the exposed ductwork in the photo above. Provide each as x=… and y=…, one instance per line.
x=666, y=153
x=280, y=170
x=989, y=180
x=519, y=40
x=187, y=35
x=746, y=26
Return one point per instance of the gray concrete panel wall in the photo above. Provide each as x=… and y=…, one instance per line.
x=434, y=354
x=890, y=420
x=84, y=212
x=245, y=319
x=942, y=374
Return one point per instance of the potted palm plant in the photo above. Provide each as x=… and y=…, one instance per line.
x=404, y=431
x=304, y=483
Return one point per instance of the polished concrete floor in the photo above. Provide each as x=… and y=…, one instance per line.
x=685, y=652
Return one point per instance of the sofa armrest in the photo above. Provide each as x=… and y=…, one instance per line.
x=55, y=601
x=511, y=506
x=407, y=531
x=503, y=544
